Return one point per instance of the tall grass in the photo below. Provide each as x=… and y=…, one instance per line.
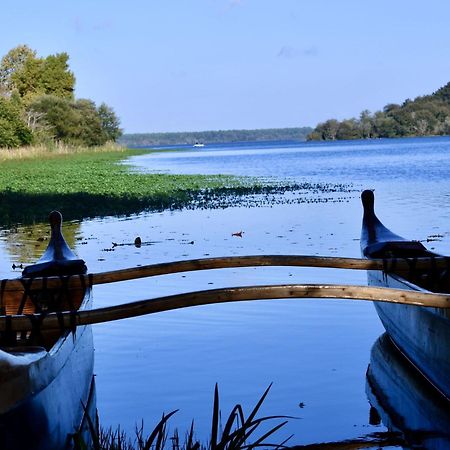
x=239, y=432
x=53, y=149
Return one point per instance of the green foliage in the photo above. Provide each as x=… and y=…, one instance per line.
x=443, y=93
x=424, y=116
x=326, y=131
x=12, y=62
x=44, y=76
x=13, y=130
x=219, y=136
x=57, y=114
x=75, y=122
x=88, y=128
x=93, y=183
x=109, y=121
x=41, y=91
x=348, y=129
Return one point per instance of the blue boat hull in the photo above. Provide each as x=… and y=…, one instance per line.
x=421, y=334
x=47, y=418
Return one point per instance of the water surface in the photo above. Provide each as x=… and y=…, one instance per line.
x=314, y=351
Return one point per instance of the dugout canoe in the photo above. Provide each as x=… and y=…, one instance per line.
x=404, y=401
x=422, y=334
x=46, y=375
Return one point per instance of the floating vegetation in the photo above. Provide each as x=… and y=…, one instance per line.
x=94, y=183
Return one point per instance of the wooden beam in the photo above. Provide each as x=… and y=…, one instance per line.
x=225, y=295
x=133, y=273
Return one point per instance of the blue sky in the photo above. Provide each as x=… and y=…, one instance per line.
x=181, y=65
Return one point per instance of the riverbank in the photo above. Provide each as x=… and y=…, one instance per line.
x=84, y=183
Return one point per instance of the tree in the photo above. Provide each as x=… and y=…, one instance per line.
x=73, y=122
x=385, y=126
x=40, y=103
x=12, y=62
x=443, y=93
x=110, y=122
x=56, y=78
x=328, y=129
x=365, y=124
x=348, y=129
x=89, y=127
x=44, y=76
x=57, y=113
x=13, y=130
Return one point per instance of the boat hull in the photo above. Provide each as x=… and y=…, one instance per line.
x=41, y=402
x=421, y=334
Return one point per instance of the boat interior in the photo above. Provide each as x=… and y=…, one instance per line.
x=30, y=301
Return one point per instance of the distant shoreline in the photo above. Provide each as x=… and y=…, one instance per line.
x=215, y=137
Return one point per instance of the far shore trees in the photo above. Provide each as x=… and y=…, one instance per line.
x=424, y=116
x=37, y=104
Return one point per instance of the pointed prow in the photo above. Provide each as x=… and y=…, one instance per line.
x=368, y=201
x=58, y=258
x=377, y=241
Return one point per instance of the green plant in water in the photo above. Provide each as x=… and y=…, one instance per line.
x=239, y=432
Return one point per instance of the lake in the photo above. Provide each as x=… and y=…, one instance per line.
x=315, y=352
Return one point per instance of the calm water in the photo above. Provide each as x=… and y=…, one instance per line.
x=315, y=352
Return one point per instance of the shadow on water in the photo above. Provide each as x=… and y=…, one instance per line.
x=17, y=207
x=404, y=401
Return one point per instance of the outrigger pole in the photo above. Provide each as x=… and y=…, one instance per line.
x=386, y=265
x=71, y=319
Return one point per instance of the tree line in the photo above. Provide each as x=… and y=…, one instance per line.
x=427, y=115
x=38, y=105
x=211, y=137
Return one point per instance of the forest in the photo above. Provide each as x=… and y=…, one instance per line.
x=212, y=137
x=38, y=104
x=428, y=115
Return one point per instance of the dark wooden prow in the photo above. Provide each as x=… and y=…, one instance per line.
x=377, y=241
x=58, y=259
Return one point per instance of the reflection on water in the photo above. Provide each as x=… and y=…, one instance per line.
x=405, y=400
x=25, y=245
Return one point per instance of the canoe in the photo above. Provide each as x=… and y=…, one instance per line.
x=46, y=376
x=404, y=401
x=422, y=334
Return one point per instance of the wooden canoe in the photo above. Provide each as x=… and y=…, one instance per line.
x=46, y=375
x=422, y=334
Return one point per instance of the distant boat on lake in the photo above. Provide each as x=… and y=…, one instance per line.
x=198, y=144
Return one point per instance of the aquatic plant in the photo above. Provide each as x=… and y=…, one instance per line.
x=239, y=432
x=86, y=183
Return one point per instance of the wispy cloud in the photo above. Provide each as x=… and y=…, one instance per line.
x=290, y=52
x=82, y=26
x=232, y=4
x=311, y=51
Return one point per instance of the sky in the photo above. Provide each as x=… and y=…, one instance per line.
x=192, y=65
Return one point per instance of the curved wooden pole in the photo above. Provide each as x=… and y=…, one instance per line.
x=225, y=295
x=234, y=262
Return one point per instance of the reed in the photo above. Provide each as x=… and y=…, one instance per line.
x=239, y=432
x=52, y=150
